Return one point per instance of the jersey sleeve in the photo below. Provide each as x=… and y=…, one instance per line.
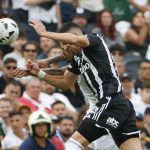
x=73, y=67
x=94, y=39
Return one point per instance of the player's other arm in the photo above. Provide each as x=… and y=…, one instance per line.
x=62, y=82
x=66, y=38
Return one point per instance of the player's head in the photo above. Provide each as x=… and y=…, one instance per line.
x=71, y=27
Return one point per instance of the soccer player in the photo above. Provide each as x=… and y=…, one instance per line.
x=93, y=68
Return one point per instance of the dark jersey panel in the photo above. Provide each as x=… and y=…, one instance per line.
x=96, y=65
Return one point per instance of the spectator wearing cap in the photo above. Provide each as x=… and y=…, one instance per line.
x=143, y=74
x=141, y=104
x=128, y=86
x=105, y=26
x=25, y=111
x=9, y=65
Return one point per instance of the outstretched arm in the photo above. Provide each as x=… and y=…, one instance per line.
x=68, y=38
x=62, y=82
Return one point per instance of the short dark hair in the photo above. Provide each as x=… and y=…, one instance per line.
x=144, y=61
x=57, y=102
x=145, y=86
x=63, y=117
x=9, y=60
x=117, y=47
x=70, y=25
x=147, y=111
x=14, y=82
x=14, y=113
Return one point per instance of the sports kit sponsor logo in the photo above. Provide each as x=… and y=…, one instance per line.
x=112, y=122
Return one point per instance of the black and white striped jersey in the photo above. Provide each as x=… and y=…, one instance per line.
x=97, y=75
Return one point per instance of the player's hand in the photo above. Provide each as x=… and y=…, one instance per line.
x=38, y=26
x=19, y=73
x=32, y=67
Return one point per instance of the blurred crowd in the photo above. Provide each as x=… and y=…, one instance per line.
x=125, y=27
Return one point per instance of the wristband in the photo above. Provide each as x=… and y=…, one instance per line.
x=41, y=74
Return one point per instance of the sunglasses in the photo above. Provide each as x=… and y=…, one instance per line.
x=30, y=50
x=11, y=67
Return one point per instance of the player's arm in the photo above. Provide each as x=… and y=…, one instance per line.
x=55, y=71
x=43, y=63
x=69, y=38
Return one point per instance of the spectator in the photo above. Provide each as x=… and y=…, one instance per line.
x=68, y=10
x=13, y=92
x=119, y=8
x=29, y=51
x=81, y=20
x=141, y=104
x=66, y=128
x=117, y=51
x=105, y=23
x=128, y=87
x=120, y=66
x=136, y=38
x=5, y=108
x=58, y=108
x=139, y=120
x=143, y=140
x=147, y=126
x=17, y=46
x=143, y=74
x=75, y=96
x=47, y=13
x=90, y=8
x=51, y=90
x=9, y=65
x=55, y=51
x=39, y=129
x=20, y=13
x=34, y=98
x=140, y=5
x=46, y=45
x=14, y=138
x=25, y=111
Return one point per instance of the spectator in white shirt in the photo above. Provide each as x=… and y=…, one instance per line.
x=14, y=138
